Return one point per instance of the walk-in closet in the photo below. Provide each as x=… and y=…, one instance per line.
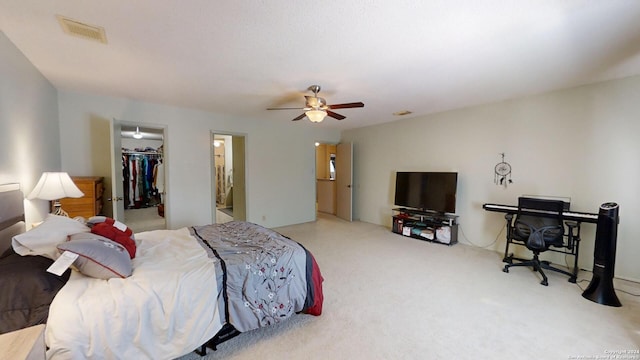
x=143, y=172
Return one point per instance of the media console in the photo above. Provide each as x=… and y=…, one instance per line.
x=426, y=225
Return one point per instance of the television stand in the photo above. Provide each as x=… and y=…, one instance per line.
x=426, y=225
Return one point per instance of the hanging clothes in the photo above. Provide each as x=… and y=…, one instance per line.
x=138, y=176
x=158, y=179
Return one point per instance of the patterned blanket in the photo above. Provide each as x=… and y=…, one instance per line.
x=266, y=277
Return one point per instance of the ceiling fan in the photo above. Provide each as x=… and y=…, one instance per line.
x=316, y=108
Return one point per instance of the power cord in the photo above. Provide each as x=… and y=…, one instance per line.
x=480, y=246
x=617, y=289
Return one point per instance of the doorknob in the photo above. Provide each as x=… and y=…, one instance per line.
x=117, y=198
x=349, y=186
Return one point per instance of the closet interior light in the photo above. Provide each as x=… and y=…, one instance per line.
x=137, y=134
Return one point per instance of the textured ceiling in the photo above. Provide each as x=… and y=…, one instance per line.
x=241, y=57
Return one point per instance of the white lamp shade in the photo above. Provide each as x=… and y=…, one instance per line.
x=54, y=186
x=316, y=115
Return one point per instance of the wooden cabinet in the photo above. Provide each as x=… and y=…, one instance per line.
x=91, y=203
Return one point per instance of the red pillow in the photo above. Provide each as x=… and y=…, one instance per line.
x=125, y=238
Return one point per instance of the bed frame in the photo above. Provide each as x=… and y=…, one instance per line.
x=11, y=214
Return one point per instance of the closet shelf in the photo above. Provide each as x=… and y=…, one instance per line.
x=128, y=152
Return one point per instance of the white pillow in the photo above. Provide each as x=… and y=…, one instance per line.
x=43, y=239
x=98, y=257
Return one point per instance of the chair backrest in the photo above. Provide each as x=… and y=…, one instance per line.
x=539, y=222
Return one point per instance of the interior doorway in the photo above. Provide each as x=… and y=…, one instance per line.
x=142, y=177
x=334, y=174
x=228, y=177
x=325, y=178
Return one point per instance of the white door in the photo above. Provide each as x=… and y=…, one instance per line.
x=344, y=176
x=117, y=188
x=239, y=195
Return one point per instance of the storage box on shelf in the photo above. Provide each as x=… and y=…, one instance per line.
x=426, y=225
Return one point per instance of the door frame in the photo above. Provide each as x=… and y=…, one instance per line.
x=116, y=164
x=213, y=184
x=344, y=211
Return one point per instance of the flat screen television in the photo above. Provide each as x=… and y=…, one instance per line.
x=435, y=191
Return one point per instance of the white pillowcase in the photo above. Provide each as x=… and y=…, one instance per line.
x=43, y=239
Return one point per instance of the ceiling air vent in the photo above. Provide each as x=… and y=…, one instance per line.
x=76, y=28
x=402, y=113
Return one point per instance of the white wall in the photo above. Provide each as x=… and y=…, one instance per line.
x=29, y=134
x=132, y=144
x=280, y=156
x=582, y=143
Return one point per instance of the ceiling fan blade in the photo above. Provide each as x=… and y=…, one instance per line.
x=335, y=115
x=295, y=108
x=300, y=117
x=346, y=105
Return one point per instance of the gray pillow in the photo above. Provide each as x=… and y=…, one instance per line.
x=99, y=257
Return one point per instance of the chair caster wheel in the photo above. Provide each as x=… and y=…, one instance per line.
x=506, y=269
x=544, y=282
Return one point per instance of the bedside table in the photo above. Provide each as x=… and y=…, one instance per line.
x=27, y=344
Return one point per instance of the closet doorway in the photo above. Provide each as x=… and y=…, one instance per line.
x=139, y=178
x=228, y=177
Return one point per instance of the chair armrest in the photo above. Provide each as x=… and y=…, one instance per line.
x=573, y=235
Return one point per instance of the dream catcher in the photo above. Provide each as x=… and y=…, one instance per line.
x=502, y=173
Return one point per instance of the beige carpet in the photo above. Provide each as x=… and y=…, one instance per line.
x=144, y=219
x=222, y=217
x=392, y=297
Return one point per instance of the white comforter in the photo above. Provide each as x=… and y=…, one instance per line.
x=165, y=309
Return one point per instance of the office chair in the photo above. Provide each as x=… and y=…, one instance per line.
x=538, y=225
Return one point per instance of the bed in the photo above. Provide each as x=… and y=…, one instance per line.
x=188, y=289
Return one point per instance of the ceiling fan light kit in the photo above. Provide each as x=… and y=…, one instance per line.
x=316, y=108
x=316, y=116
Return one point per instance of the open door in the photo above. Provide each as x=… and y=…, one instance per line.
x=239, y=195
x=117, y=188
x=344, y=176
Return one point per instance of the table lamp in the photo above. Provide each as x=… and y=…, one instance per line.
x=54, y=186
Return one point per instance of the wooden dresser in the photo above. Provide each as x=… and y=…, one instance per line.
x=91, y=203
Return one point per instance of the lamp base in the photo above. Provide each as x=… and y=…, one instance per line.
x=57, y=209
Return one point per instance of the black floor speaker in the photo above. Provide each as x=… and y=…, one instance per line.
x=601, y=289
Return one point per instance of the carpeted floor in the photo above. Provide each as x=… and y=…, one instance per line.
x=144, y=219
x=223, y=216
x=392, y=297
x=227, y=210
